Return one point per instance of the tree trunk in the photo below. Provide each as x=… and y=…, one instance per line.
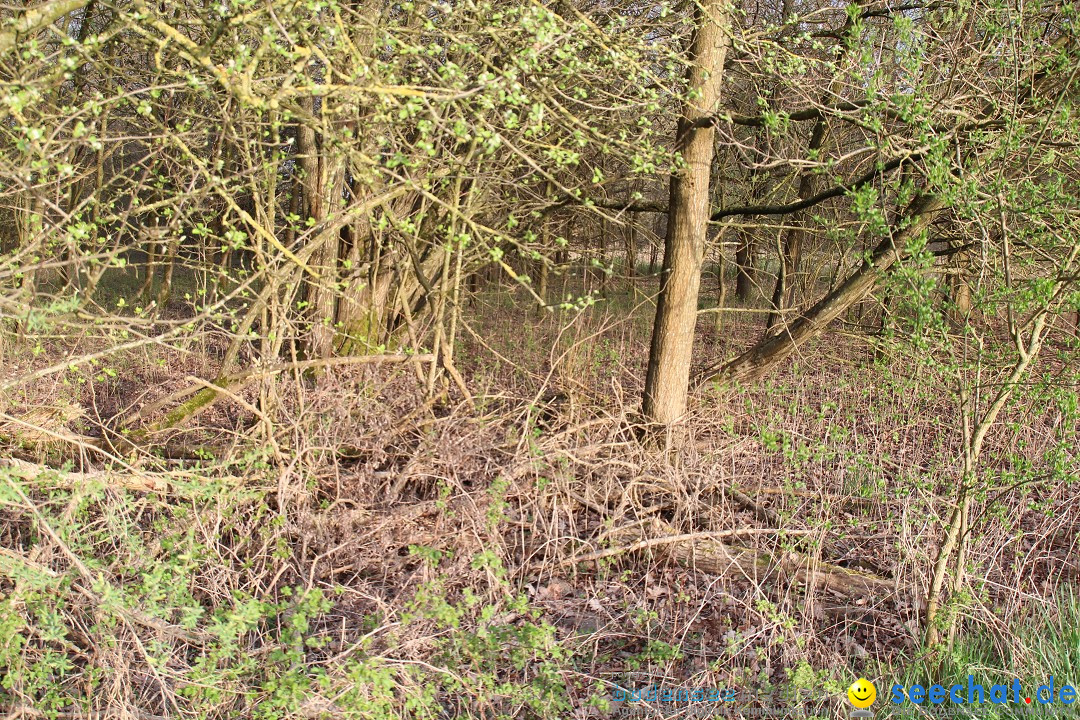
x=761, y=358
x=746, y=273
x=168, y=268
x=323, y=176
x=721, y=288
x=960, y=290
x=146, y=291
x=371, y=310
x=791, y=248
x=791, y=252
x=602, y=270
x=542, y=286
x=668, y=374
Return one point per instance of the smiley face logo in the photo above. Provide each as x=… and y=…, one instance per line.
x=862, y=693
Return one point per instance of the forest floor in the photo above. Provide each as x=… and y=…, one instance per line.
x=526, y=554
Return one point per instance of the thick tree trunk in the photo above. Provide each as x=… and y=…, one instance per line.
x=371, y=310
x=668, y=374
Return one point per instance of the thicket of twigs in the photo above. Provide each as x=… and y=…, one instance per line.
x=324, y=333
x=392, y=556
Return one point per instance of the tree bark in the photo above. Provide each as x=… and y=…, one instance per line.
x=721, y=287
x=764, y=356
x=322, y=180
x=34, y=19
x=668, y=375
x=793, y=240
x=960, y=304
x=746, y=273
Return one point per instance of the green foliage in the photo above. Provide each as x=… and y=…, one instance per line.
x=137, y=581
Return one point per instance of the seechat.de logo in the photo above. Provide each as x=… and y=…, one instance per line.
x=973, y=693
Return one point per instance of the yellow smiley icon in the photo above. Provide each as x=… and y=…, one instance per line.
x=862, y=693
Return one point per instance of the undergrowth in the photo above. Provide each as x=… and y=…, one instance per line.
x=174, y=606
x=394, y=556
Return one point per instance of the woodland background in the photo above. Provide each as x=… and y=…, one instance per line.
x=473, y=359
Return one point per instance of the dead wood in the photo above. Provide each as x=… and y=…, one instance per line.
x=707, y=553
x=205, y=396
x=128, y=480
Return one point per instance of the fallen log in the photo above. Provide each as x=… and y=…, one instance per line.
x=144, y=482
x=131, y=479
x=201, y=395
x=706, y=552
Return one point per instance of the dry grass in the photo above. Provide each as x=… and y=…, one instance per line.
x=382, y=498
